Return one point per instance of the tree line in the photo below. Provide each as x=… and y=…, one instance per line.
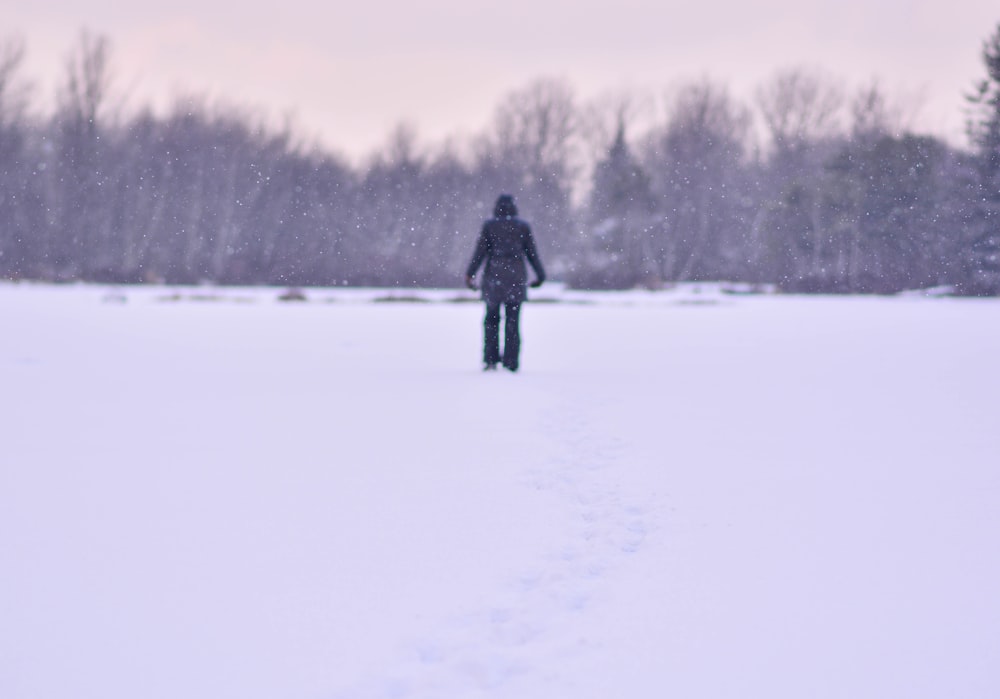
x=808, y=187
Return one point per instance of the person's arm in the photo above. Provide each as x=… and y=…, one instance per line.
x=532, y=254
x=482, y=250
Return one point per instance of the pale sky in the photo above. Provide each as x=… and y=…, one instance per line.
x=350, y=70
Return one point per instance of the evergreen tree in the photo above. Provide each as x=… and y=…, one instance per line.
x=982, y=259
x=621, y=252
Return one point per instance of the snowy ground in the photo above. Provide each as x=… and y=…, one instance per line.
x=214, y=495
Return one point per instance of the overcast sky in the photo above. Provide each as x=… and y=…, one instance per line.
x=350, y=70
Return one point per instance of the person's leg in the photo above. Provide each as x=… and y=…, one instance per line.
x=491, y=336
x=512, y=336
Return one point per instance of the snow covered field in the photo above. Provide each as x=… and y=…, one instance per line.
x=210, y=494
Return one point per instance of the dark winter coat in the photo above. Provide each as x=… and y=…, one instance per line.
x=504, y=243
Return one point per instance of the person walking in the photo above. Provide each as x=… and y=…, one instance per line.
x=504, y=243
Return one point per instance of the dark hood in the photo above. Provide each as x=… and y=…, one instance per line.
x=505, y=207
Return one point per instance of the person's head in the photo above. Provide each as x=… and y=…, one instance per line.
x=505, y=207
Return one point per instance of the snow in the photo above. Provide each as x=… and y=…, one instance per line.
x=211, y=493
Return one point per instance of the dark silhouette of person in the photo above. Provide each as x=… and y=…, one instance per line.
x=504, y=243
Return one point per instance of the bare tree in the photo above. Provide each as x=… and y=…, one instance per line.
x=535, y=127
x=800, y=107
x=802, y=111
x=13, y=90
x=696, y=161
x=83, y=97
x=15, y=181
x=874, y=112
x=81, y=159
